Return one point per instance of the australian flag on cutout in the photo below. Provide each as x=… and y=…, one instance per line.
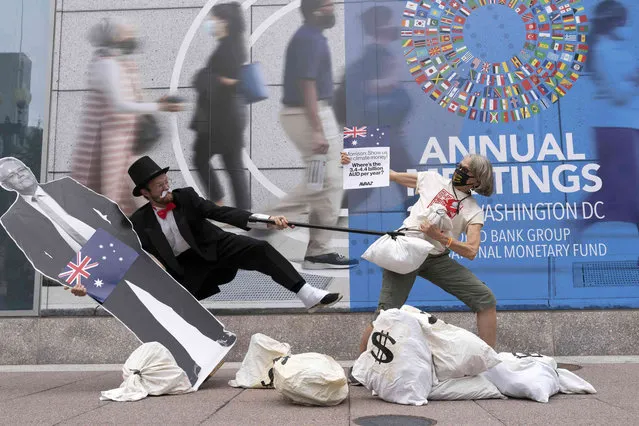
x=100, y=265
x=366, y=137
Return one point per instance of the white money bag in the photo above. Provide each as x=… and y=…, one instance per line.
x=310, y=379
x=255, y=371
x=456, y=352
x=149, y=370
x=397, y=362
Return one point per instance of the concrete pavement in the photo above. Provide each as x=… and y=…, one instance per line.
x=36, y=396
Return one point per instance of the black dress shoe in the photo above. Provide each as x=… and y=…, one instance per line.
x=227, y=340
x=352, y=380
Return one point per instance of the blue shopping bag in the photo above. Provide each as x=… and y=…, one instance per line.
x=253, y=84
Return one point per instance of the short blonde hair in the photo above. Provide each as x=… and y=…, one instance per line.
x=482, y=169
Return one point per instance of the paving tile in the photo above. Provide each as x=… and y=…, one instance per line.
x=53, y=404
x=444, y=412
x=21, y=385
x=267, y=407
x=167, y=409
x=609, y=374
x=562, y=411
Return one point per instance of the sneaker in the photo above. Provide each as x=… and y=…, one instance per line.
x=352, y=380
x=329, y=261
x=329, y=300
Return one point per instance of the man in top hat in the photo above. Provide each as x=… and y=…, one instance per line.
x=173, y=227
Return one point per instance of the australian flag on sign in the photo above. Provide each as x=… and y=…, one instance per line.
x=366, y=137
x=99, y=265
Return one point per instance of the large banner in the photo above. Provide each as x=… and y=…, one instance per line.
x=547, y=90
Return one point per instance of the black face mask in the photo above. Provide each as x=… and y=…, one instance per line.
x=325, y=21
x=460, y=177
x=128, y=46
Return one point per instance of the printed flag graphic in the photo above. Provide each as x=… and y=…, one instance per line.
x=100, y=265
x=354, y=132
x=373, y=138
x=78, y=270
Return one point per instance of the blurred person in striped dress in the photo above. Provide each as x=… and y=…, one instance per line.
x=105, y=146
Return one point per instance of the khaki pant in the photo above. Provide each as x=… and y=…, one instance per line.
x=323, y=204
x=446, y=273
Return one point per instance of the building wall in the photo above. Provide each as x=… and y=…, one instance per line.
x=162, y=25
x=520, y=281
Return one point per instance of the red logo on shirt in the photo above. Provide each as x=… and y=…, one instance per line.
x=447, y=200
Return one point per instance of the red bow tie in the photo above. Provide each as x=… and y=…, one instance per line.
x=162, y=213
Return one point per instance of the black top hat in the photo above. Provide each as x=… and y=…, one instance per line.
x=142, y=171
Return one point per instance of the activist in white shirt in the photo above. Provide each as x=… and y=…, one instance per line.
x=473, y=173
x=461, y=207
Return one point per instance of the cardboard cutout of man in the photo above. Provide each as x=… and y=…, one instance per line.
x=54, y=222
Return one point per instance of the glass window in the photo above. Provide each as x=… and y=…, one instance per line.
x=26, y=31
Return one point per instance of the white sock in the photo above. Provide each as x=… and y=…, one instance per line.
x=311, y=296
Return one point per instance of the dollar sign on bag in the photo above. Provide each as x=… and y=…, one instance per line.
x=270, y=377
x=380, y=339
x=270, y=372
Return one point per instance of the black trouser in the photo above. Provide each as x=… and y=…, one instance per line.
x=234, y=166
x=241, y=252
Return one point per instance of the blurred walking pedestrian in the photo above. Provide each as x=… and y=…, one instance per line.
x=107, y=136
x=309, y=121
x=614, y=67
x=377, y=97
x=220, y=115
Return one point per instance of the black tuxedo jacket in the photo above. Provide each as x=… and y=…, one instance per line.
x=191, y=214
x=36, y=236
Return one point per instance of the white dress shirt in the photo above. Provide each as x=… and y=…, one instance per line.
x=172, y=233
x=85, y=230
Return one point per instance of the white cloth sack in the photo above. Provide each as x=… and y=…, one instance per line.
x=258, y=362
x=407, y=377
x=465, y=388
x=570, y=383
x=150, y=370
x=404, y=254
x=310, y=379
x=437, y=215
x=456, y=352
x=535, y=377
x=525, y=376
x=401, y=254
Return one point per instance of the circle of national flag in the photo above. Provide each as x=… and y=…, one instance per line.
x=550, y=62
